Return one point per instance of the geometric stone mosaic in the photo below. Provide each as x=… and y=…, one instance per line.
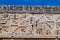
x=24, y=24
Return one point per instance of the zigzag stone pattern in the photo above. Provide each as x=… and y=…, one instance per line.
x=29, y=21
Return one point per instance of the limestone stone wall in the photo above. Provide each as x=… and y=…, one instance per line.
x=29, y=21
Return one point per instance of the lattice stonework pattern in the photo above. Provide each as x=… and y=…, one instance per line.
x=29, y=21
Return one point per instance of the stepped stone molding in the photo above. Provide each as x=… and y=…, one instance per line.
x=31, y=9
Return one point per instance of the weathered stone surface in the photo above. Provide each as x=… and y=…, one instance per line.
x=29, y=25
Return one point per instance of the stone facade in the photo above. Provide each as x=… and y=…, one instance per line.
x=29, y=21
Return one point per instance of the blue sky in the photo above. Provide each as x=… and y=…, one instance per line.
x=30, y=2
